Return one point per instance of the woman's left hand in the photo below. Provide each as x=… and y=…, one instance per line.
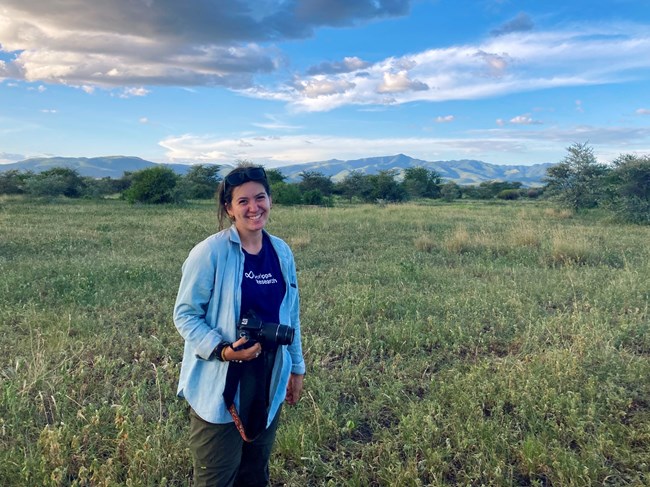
x=294, y=389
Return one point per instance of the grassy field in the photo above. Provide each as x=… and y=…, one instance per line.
x=446, y=344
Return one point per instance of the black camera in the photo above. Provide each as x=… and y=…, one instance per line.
x=251, y=327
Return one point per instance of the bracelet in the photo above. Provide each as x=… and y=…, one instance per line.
x=219, y=351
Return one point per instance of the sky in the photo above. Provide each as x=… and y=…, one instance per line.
x=281, y=82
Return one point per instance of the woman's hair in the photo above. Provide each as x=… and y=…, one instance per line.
x=243, y=173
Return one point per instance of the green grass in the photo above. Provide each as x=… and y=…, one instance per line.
x=446, y=344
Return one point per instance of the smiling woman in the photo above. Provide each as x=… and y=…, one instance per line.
x=235, y=385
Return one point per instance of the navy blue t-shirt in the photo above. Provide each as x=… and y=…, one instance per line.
x=262, y=290
x=263, y=286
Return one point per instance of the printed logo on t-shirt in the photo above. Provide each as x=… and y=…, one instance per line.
x=261, y=278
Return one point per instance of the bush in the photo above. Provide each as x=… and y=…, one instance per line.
x=153, y=185
x=313, y=197
x=509, y=194
x=285, y=194
x=630, y=188
x=58, y=181
x=14, y=181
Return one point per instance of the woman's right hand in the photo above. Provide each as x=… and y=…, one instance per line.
x=235, y=353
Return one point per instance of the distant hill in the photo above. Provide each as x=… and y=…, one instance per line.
x=94, y=167
x=461, y=171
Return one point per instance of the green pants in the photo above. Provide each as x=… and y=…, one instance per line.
x=222, y=458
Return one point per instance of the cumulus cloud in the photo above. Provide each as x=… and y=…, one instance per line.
x=400, y=82
x=445, y=119
x=348, y=65
x=510, y=63
x=521, y=23
x=316, y=87
x=114, y=43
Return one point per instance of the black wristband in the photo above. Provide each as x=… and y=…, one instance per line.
x=218, y=352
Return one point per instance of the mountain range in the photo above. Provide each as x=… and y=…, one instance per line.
x=463, y=172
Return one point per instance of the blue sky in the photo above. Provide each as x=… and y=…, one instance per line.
x=287, y=81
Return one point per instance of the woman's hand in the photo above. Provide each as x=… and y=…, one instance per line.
x=294, y=389
x=235, y=353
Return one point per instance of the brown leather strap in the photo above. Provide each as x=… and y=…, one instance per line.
x=238, y=423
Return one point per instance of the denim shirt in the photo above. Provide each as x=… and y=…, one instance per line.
x=207, y=312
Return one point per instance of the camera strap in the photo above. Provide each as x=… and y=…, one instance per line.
x=249, y=378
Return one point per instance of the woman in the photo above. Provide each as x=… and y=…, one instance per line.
x=238, y=270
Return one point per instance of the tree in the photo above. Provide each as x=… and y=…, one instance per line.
x=420, y=182
x=153, y=185
x=577, y=181
x=385, y=187
x=355, y=184
x=629, y=184
x=14, y=181
x=200, y=182
x=58, y=181
x=285, y=193
x=509, y=194
x=311, y=180
x=489, y=189
x=275, y=176
x=450, y=191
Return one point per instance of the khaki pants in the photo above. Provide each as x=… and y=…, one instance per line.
x=222, y=458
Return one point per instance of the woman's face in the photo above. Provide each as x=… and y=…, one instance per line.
x=250, y=207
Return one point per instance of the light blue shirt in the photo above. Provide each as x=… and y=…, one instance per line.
x=207, y=312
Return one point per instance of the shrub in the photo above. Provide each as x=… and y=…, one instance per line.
x=153, y=185
x=509, y=194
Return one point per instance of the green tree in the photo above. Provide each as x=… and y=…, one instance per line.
x=355, y=185
x=450, y=191
x=200, y=182
x=385, y=186
x=275, y=176
x=285, y=193
x=311, y=180
x=153, y=185
x=420, y=182
x=577, y=181
x=312, y=197
x=14, y=181
x=629, y=184
x=509, y=194
x=58, y=181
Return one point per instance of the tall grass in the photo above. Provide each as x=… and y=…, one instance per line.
x=446, y=345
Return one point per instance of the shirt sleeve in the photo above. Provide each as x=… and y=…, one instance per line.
x=195, y=291
x=295, y=349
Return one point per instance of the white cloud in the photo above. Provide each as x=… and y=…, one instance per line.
x=348, y=64
x=275, y=124
x=524, y=120
x=49, y=110
x=323, y=87
x=400, y=82
x=643, y=111
x=510, y=63
x=445, y=119
x=130, y=92
x=520, y=145
x=117, y=43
